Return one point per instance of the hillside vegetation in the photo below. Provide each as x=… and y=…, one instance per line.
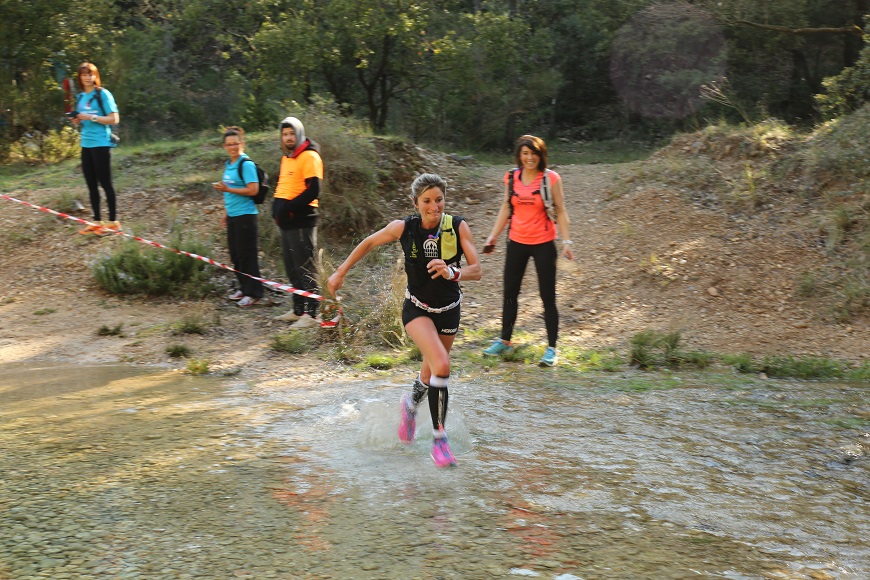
x=745, y=239
x=768, y=171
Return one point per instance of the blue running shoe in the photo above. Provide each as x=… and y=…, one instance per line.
x=408, y=422
x=498, y=348
x=441, y=454
x=549, y=358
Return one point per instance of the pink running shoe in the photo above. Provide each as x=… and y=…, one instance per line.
x=441, y=454
x=408, y=422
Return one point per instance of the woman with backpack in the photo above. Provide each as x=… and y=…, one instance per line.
x=239, y=184
x=433, y=243
x=96, y=112
x=534, y=204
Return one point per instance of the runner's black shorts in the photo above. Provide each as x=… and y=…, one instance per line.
x=446, y=322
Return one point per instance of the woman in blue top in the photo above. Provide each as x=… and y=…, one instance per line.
x=239, y=189
x=96, y=112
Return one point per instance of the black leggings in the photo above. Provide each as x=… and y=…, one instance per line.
x=242, y=242
x=97, y=167
x=514, y=269
x=298, y=246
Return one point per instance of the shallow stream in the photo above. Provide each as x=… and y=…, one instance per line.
x=109, y=471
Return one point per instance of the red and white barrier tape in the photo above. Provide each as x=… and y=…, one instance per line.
x=270, y=283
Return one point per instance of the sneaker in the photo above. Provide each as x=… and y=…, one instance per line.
x=305, y=321
x=498, y=348
x=289, y=316
x=108, y=228
x=441, y=454
x=549, y=358
x=92, y=230
x=330, y=324
x=247, y=302
x=408, y=422
x=237, y=295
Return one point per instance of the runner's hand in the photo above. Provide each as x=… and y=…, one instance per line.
x=334, y=282
x=438, y=268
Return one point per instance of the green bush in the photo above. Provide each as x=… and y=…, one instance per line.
x=372, y=299
x=295, y=341
x=105, y=330
x=651, y=349
x=350, y=200
x=835, y=158
x=643, y=345
x=861, y=373
x=381, y=361
x=46, y=146
x=178, y=351
x=593, y=360
x=743, y=363
x=809, y=367
x=837, y=152
x=850, y=89
x=134, y=268
x=197, y=366
x=801, y=368
x=190, y=324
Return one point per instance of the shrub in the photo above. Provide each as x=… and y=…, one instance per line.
x=801, y=368
x=642, y=346
x=178, y=351
x=381, y=361
x=295, y=341
x=372, y=307
x=838, y=152
x=786, y=366
x=848, y=90
x=653, y=349
x=593, y=360
x=197, y=366
x=66, y=202
x=861, y=373
x=807, y=284
x=46, y=146
x=190, y=324
x=134, y=268
x=743, y=363
x=110, y=331
x=350, y=198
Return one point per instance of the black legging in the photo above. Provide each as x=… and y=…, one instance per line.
x=97, y=167
x=514, y=269
x=298, y=246
x=242, y=242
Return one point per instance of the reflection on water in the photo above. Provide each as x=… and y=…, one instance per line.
x=109, y=471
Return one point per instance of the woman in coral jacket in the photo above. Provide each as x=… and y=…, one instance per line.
x=532, y=234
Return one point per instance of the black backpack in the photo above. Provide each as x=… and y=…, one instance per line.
x=262, y=179
x=114, y=139
x=546, y=195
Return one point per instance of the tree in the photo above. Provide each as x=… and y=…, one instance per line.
x=492, y=86
x=781, y=50
x=850, y=89
x=38, y=41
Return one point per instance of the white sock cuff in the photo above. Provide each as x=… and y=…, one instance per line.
x=438, y=382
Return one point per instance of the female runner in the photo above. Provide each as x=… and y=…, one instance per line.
x=434, y=243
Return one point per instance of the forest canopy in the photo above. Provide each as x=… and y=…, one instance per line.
x=470, y=74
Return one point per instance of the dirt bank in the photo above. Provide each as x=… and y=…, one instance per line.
x=646, y=259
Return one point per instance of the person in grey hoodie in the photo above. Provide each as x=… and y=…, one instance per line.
x=294, y=209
